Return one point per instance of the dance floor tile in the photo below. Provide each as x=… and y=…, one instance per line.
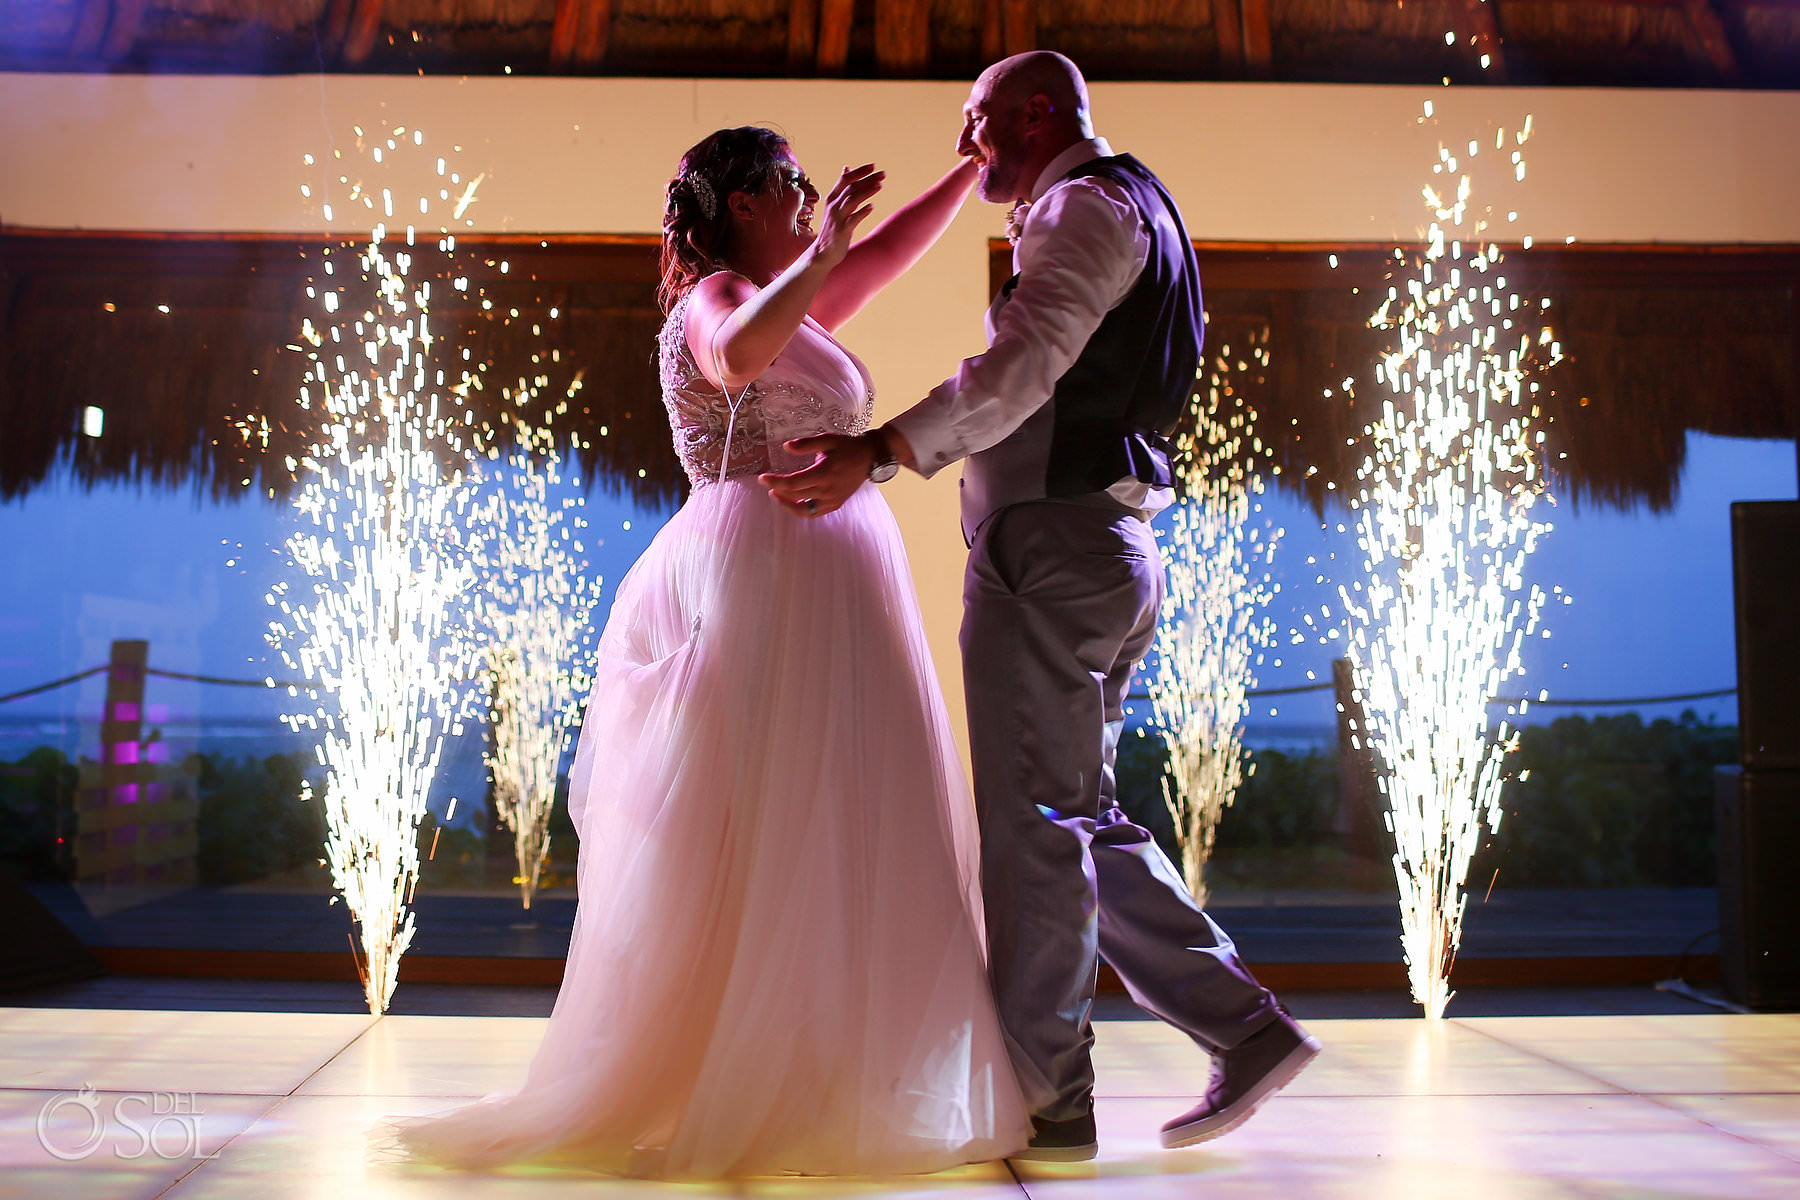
x=1507, y=1109
x=128, y=1050
x=316, y=1148
x=1772, y=1120
x=1690, y=1054
x=122, y=1144
x=1397, y=1148
x=432, y=1056
x=1360, y=1058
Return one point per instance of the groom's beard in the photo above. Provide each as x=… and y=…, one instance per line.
x=999, y=179
x=996, y=188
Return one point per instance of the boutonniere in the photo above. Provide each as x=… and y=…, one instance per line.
x=1015, y=220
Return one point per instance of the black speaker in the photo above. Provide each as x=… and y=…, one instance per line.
x=1765, y=575
x=1758, y=815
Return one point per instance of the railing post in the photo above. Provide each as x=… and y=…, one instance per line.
x=1359, y=788
x=136, y=818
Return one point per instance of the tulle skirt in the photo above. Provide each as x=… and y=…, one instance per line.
x=777, y=965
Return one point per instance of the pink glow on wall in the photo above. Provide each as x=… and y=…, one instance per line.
x=157, y=713
x=125, y=710
x=156, y=752
x=125, y=752
x=126, y=793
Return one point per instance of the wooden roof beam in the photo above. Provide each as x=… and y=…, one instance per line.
x=90, y=28
x=107, y=29
x=993, y=36
x=364, y=28
x=1714, y=47
x=563, y=28
x=337, y=22
x=1484, y=29
x=803, y=35
x=122, y=32
x=1228, y=29
x=902, y=37
x=1018, y=26
x=834, y=35
x=1258, y=55
x=595, y=33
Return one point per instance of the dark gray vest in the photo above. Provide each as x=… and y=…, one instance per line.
x=1113, y=410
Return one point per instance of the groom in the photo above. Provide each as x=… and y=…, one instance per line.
x=1093, y=348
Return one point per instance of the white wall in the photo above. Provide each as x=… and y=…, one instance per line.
x=1247, y=162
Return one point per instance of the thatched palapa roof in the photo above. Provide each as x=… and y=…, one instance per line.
x=1656, y=43
x=86, y=326
x=1657, y=342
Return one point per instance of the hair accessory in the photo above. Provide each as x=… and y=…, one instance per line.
x=703, y=195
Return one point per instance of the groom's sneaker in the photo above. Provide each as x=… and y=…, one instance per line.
x=1243, y=1077
x=1073, y=1140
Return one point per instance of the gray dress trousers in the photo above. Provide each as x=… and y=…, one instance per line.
x=1060, y=602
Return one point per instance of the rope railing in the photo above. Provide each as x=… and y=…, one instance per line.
x=261, y=683
x=53, y=684
x=1532, y=701
x=80, y=675
x=1259, y=694
x=1714, y=694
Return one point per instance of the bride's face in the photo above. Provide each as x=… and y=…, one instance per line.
x=781, y=215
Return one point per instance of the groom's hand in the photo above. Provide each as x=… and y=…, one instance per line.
x=841, y=466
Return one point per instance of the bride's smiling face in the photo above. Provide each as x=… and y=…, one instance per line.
x=781, y=215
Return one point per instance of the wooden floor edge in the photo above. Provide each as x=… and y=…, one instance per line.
x=1610, y=971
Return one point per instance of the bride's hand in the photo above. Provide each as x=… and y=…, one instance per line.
x=846, y=207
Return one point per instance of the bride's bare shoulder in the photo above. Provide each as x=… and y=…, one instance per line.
x=710, y=303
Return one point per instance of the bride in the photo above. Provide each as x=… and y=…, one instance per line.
x=776, y=965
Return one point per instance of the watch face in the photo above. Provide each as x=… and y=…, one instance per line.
x=882, y=472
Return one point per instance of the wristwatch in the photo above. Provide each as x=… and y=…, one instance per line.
x=885, y=466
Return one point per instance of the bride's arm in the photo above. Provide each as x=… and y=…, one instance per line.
x=736, y=329
x=892, y=247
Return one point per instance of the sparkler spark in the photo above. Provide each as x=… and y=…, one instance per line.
x=532, y=611
x=467, y=198
x=1444, y=519
x=383, y=490
x=1213, y=626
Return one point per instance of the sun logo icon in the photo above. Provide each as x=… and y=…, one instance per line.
x=88, y=1101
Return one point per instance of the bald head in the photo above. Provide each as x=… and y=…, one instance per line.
x=1013, y=82
x=1021, y=113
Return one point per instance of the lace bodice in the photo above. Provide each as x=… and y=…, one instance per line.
x=814, y=386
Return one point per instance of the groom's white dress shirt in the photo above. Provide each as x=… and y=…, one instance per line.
x=1080, y=251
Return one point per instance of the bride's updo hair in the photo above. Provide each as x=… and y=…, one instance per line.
x=696, y=228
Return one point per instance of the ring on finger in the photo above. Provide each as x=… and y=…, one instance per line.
x=812, y=507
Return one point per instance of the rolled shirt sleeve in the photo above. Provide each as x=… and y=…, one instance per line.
x=1080, y=252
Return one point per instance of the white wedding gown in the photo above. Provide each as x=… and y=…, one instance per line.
x=776, y=964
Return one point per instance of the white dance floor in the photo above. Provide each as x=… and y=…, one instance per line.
x=1511, y=1108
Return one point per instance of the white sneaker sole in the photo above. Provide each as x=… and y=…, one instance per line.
x=1058, y=1154
x=1228, y=1119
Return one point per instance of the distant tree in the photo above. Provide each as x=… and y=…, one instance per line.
x=37, y=814
x=1612, y=802
x=253, y=823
